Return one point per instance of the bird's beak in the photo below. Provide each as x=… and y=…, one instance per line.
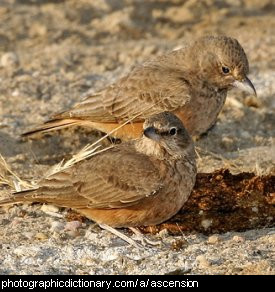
x=245, y=85
x=151, y=133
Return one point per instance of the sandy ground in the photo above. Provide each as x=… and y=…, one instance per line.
x=52, y=52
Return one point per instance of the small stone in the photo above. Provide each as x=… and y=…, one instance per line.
x=41, y=236
x=238, y=238
x=19, y=251
x=73, y=225
x=57, y=226
x=255, y=209
x=227, y=143
x=206, y=223
x=73, y=233
x=163, y=233
x=202, y=261
x=37, y=30
x=9, y=59
x=92, y=236
x=29, y=235
x=219, y=177
x=213, y=239
x=15, y=93
x=49, y=208
x=182, y=14
x=36, y=74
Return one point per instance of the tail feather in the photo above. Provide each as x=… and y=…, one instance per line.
x=55, y=124
x=18, y=197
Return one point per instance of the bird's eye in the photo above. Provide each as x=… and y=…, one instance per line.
x=173, y=131
x=225, y=70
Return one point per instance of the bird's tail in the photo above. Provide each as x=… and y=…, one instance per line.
x=52, y=125
x=18, y=197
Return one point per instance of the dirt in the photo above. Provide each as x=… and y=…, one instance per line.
x=222, y=202
x=53, y=52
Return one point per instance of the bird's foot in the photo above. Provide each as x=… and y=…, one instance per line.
x=144, y=240
x=121, y=235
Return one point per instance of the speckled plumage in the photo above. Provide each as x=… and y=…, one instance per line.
x=141, y=182
x=188, y=82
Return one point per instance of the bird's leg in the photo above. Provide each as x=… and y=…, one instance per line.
x=142, y=238
x=120, y=235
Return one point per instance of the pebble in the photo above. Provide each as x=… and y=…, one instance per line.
x=202, y=261
x=238, y=238
x=73, y=225
x=163, y=233
x=227, y=143
x=15, y=93
x=49, y=208
x=213, y=239
x=73, y=233
x=206, y=223
x=36, y=74
x=9, y=59
x=41, y=236
x=29, y=235
x=255, y=209
x=19, y=251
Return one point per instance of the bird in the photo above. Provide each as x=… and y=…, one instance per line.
x=191, y=82
x=140, y=182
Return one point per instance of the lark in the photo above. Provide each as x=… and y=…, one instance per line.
x=140, y=182
x=191, y=82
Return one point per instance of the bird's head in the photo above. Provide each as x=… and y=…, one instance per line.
x=165, y=133
x=223, y=63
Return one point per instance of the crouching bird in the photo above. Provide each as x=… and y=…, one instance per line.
x=141, y=182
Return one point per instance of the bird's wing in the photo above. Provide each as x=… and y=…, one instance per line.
x=149, y=89
x=120, y=179
x=113, y=179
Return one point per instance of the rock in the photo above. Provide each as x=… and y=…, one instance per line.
x=213, y=239
x=202, y=262
x=206, y=223
x=238, y=238
x=255, y=209
x=256, y=5
x=163, y=233
x=49, y=208
x=73, y=225
x=179, y=14
x=73, y=233
x=19, y=251
x=15, y=93
x=9, y=59
x=41, y=236
x=29, y=235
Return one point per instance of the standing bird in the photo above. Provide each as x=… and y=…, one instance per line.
x=141, y=182
x=191, y=82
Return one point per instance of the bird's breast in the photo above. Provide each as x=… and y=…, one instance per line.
x=200, y=113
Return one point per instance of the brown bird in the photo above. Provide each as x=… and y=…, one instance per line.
x=191, y=82
x=141, y=182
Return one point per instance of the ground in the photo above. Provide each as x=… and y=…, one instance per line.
x=52, y=52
